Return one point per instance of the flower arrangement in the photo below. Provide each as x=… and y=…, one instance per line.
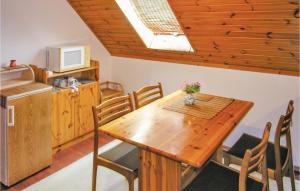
x=192, y=88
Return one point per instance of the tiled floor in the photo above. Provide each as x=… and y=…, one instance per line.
x=60, y=160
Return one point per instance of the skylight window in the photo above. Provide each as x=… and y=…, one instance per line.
x=156, y=24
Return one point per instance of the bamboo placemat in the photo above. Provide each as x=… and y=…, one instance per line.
x=206, y=106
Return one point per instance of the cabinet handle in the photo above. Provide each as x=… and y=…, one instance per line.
x=11, y=116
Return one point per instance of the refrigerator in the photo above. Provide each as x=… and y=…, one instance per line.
x=25, y=132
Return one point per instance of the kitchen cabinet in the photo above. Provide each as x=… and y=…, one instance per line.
x=63, y=128
x=72, y=113
x=72, y=117
x=88, y=96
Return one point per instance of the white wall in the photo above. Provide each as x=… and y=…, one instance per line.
x=269, y=92
x=28, y=26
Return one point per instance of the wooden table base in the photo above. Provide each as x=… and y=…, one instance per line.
x=158, y=173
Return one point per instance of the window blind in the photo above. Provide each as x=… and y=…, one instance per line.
x=157, y=15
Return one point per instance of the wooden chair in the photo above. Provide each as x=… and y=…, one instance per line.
x=279, y=158
x=109, y=90
x=124, y=157
x=216, y=177
x=147, y=95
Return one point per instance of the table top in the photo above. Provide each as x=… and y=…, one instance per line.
x=178, y=136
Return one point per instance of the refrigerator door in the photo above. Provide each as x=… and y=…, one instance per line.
x=25, y=134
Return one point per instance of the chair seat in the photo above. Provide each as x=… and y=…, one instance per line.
x=123, y=154
x=248, y=142
x=215, y=177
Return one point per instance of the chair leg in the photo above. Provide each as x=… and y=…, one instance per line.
x=130, y=183
x=292, y=175
x=227, y=160
x=94, y=178
x=279, y=181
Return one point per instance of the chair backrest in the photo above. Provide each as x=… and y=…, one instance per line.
x=255, y=159
x=112, y=109
x=108, y=111
x=147, y=95
x=283, y=130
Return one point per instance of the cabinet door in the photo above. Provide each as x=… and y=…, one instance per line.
x=63, y=128
x=88, y=97
x=28, y=136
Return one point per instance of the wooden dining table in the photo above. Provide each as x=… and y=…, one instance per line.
x=167, y=138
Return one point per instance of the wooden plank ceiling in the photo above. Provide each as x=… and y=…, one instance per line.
x=255, y=35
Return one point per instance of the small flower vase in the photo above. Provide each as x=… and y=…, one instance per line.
x=189, y=99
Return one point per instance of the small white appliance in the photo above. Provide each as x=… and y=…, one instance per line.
x=65, y=58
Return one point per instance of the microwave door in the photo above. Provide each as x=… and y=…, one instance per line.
x=72, y=58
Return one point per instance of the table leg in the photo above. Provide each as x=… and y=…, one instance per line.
x=158, y=173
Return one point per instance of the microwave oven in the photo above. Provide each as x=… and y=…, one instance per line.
x=61, y=59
